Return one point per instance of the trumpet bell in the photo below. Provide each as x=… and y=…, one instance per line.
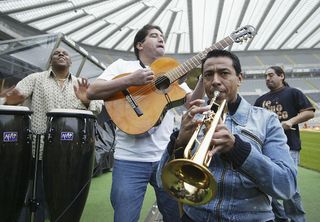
x=189, y=182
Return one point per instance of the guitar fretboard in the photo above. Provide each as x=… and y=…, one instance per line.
x=195, y=61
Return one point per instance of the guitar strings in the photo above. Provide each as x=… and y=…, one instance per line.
x=144, y=89
x=187, y=65
x=172, y=74
x=183, y=68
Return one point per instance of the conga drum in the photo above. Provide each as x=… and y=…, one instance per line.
x=15, y=159
x=68, y=160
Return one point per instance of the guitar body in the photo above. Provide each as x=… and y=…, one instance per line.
x=151, y=100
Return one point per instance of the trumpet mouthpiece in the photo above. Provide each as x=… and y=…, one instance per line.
x=216, y=93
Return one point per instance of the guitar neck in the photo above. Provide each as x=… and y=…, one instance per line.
x=195, y=61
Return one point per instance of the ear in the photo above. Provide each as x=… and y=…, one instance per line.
x=139, y=46
x=240, y=79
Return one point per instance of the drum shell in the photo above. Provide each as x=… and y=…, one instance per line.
x=68, y=164
x=15, y=160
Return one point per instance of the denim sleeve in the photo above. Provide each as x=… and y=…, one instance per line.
x=274, y=171
x=170, y=146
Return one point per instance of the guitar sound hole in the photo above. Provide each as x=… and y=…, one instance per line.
x=162, y=83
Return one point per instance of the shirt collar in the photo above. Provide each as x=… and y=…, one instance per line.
x=52, y=74
x=232, y=107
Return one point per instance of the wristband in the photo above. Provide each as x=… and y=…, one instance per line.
x=3, y=100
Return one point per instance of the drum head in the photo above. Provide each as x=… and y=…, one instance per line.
x=70, y=113
x=17, y=110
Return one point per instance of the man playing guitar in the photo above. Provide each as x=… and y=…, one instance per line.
x=137, y=156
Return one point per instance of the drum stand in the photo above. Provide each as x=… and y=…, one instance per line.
x=33, y=203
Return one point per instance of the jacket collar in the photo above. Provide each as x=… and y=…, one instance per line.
x=242, y=113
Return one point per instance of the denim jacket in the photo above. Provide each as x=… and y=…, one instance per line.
x=244, y=193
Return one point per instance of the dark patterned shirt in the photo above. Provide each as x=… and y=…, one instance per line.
x=286, y=102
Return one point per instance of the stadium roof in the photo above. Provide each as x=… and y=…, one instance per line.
x=189, y=26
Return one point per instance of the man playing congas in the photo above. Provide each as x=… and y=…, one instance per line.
x=51, y=89
x=55, y=88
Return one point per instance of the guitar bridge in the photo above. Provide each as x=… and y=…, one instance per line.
x=132, y=103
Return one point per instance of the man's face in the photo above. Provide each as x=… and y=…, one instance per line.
x=60, y=58
x=220, y=75
x=273, y=81
x=153, y=45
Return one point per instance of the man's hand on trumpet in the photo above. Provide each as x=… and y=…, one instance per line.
x=222, y=141
x=189, y=123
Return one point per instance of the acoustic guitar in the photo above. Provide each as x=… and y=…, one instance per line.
x=139, y=108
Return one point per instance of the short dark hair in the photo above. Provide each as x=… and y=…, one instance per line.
x=224, y=53
x=278, y=70
x=141, y=35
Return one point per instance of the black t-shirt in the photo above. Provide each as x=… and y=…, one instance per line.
x=286, y=102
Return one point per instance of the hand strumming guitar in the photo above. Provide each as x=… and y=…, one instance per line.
x=141, y=77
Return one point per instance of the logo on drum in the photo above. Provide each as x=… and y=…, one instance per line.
x=10, y=137
x=66, y=136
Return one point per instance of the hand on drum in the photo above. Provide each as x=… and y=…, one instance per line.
x=81, y=91
x=12, y=96
x=4, y=92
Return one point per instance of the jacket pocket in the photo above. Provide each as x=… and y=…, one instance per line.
x=246, y=182
x=247, y=190
x=252, y=137
x=244, y=187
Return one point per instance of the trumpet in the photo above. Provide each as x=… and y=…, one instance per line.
x=188, y=179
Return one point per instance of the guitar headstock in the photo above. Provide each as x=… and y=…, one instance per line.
x=243, y=33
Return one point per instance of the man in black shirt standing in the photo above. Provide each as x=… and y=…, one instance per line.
x=292, y=108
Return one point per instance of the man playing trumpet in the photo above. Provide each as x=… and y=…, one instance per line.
x=250, y=158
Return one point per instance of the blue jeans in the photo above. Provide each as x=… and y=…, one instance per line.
x=129, y=184
x=292, y=208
